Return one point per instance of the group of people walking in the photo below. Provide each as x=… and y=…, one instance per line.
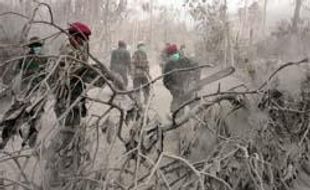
x=72, y=73
x=67, y=77
x=172, y=58
x=137, y=66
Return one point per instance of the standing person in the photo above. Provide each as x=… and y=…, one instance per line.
x=72, y=75
x=67, y=150
x=178, y=83
x=140, y=70
x=120, y=61
x=30, y=71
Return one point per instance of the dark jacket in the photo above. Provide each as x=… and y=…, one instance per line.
x=177, y=82
x=33, y=70
x=120, y=60
x=70, y=82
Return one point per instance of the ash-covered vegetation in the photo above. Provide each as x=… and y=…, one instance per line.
x=196, y=94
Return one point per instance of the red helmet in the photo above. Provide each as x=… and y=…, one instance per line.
x=81, y=28
x=172, y=49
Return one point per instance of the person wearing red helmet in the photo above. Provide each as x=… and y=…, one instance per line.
x=69, y=84
x=70, y=69
x=177, y=82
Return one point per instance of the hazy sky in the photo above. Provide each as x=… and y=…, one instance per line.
x=277, y=9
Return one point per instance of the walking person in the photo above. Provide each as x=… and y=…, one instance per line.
x=67, y=151
x=178, y=83
x=120, y=61
x=141, y=70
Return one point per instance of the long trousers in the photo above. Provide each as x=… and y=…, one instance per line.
x=140, y=81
